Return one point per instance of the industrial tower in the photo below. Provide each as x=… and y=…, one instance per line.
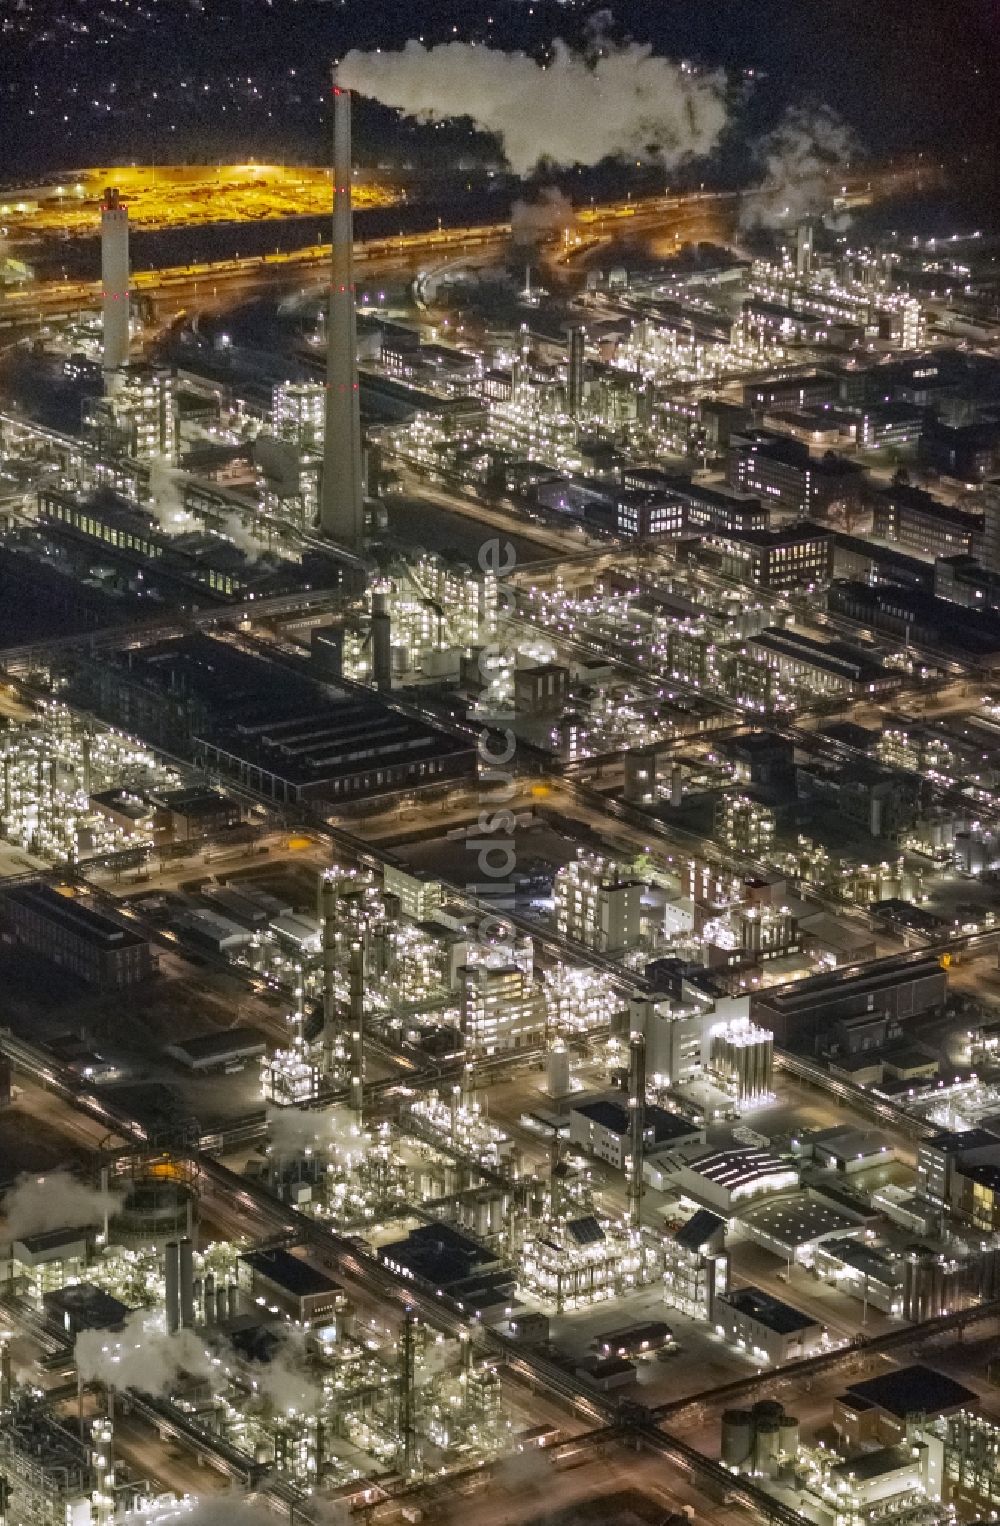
x=342, y=503
x=114, y=284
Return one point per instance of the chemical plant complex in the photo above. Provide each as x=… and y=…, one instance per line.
x=499, y=863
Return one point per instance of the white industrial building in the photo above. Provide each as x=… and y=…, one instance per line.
x=597, y=905
x=768, y=1330
x=725, y=1180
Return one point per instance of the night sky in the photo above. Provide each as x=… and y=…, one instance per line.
x=86, y=81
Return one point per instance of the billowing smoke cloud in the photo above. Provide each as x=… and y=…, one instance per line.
x=57, y=1201
x=235, y=530
x=142, y=1355
x=285, y=1380
x=801, y=158
x=294, y=1130
x=438, y=1358
x=575, y=109
x=166, y=499
x=551, y=212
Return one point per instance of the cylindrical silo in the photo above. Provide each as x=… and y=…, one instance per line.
x=767, y=1439
x=737, y=1437
x=767, y=1409
x=558, y=1069
x=788, y=1436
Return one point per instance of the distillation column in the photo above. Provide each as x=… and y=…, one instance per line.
x=328, y=906
x=637, y=1124
x=357, y=1017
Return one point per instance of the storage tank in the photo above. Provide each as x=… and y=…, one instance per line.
x=155, y=1209
x=788, y=1436
x=558, y=1070
x=767, y=1440
x=737, y=1437
x=767, y=1409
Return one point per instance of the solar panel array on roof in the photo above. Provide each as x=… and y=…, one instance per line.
x=586, y=1231
x=699, y=1229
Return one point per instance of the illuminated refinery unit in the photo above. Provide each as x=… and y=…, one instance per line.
x=499, y=837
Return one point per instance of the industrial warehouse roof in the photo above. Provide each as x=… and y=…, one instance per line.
x=440, y=1255
x=795, y=1222
x=699, y=1229
x=821, y=990
x=289, y=1272
x=53, y=1239
x=870, y=1465
x=910, y=1391
x=74, y=916
x=614, y=1116
x=871, y=1262
x=281, y=721
x=82, y=1306
x=961, y=1141
x=737, y=1167
x=216, y=1048
x=852, y=1144
x=766, y=1310
x=836, y=657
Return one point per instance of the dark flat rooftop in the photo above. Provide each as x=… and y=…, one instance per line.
x=912, y=1390
x=288, y=1272
x=69, y=913
x=777, y=1316
x=701, y=1226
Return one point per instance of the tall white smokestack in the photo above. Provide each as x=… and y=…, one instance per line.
x=114, y=283
x=342, y=503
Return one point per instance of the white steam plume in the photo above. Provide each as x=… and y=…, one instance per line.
x=572, y=110
x=235, y=530
x=437, y=1359
x=293, y=1130
x=285, y=1380
x=142, y=1355
x=166, y=500
x=57, y=1201
x=802, y=158
x=530, y=221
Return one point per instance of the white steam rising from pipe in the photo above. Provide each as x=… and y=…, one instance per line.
x=575, y=109
x=142, y=1355
x=166, y=499
x=285, y=1380
x=802, y=159
x=36, y=1204
x=294, y=1130
x=550, y=212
